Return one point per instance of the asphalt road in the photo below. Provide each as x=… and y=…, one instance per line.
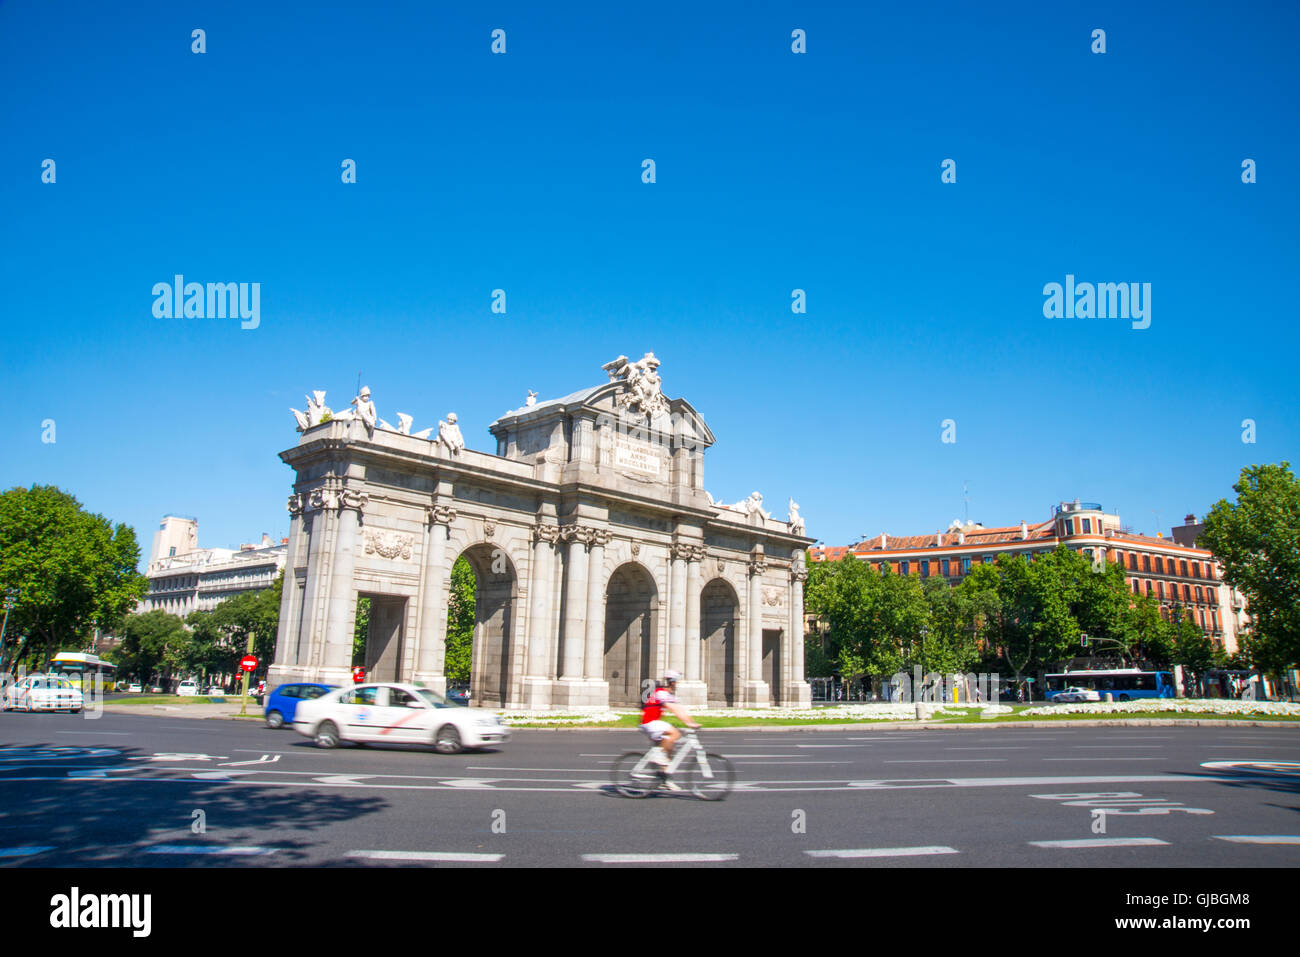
x=143, y=791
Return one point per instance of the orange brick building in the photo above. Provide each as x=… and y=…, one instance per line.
x=1171, y=572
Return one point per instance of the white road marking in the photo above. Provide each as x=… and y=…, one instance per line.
x=1115, y=747
x=1259, y=838
x=658, y=858
x=942, y=760
x=23, y=851
x=342, y=778
x=210, y=849
x=1106, y=759
x=1016, y=747
x=885, y=852
x=115, y=733
x=1103, y=842
x=450, y=857
x=468, y=782
x=264, y=759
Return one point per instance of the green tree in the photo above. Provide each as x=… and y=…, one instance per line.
x=74, y=571
x=948, y=639
x=1257, y=541
x=460, y=623
x=1193, y=649
x=360, y=629
x=152, y=645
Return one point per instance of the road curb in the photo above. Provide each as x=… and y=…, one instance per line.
x=939, y=726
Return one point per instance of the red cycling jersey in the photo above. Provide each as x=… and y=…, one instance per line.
x=654, y=705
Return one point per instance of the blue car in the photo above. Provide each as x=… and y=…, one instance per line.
x=283, y=701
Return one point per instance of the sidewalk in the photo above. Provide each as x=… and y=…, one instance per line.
x=230, y=709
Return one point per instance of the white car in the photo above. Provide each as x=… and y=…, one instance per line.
x=1077, y=694
x=188, y=688
x=133, y=688
x=397, y=713
x=43, y=693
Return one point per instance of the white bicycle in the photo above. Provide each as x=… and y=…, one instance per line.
x=706, y=774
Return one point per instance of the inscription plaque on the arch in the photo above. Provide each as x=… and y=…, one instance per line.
x=638, y=456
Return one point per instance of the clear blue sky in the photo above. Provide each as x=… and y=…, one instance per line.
x=775, y=171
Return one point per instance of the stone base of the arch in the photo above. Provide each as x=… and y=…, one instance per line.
x=536, y=694
x=693, y=694
x=754, y=694
x=800, y=695
x=580, y=694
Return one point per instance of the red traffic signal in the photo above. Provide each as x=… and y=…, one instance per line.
x=248, y=663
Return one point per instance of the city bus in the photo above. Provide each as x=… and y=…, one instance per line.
x=1123, y=684
x=77, y=667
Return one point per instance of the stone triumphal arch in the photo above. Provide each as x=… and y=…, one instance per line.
x=599, y=558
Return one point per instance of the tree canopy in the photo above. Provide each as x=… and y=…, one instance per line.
x=1257, y=541
x=73, y=571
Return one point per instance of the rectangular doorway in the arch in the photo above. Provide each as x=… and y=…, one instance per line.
x=772, y=663
x=384, y=638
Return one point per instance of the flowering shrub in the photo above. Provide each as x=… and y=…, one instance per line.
x=1172, y=705
x=558, y=717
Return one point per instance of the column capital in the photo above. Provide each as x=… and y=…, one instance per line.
x=758, y=566
x=321, y=499
x=546, y=533
x=439, y=515
x=296, y=504
x=351, y=498
x=580, y=535
x=798, y=575
x=682, y=551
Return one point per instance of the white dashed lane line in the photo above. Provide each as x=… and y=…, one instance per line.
x=884, y=852
x=659, y=858
x=235, y=851
x=1102, y=842
x=449, y=857
x=1259, y=838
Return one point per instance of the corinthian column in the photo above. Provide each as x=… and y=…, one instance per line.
x=795, y=687
x=693, y=691
x=541, y=636
x=677, y=608
x=756, y=691
x=341, y=609
x=593, y=664
x=575, y=601
x=432, y=648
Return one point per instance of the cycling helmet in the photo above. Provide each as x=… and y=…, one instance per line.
x=672, y=676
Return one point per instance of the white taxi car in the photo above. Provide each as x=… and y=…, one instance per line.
x=399, y=714
x=1072, y=695
x=43, y=693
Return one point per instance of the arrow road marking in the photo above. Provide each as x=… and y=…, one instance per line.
x=264, y=759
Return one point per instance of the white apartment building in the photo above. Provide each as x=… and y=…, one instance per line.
x=184, y=577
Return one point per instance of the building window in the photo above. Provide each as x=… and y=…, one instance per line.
x=906, y=567
x=1160, y=565
x=1184, y=567
x=1137, y=587
x=1160, y=590
x=1132, y=562
x=1069, y=526
x=965, y=566
x=1146, y=563
x=945, y=568
x=1087, y=526
x=925, y=568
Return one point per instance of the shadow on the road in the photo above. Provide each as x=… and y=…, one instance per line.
x=1283, y=783
x=100, y=820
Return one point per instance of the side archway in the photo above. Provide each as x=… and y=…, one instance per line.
x=719, y=663
x=631, y=627
x=496, y=590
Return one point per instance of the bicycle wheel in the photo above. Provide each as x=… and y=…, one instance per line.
x=711, y=777
x=632, y=785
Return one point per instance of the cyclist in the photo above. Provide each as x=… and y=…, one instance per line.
x=660, y=731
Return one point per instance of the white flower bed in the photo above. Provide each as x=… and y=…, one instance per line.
x=558, y=717
x=1171, y=705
